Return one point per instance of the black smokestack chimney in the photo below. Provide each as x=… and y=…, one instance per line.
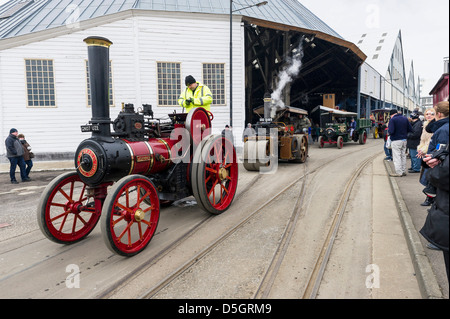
x=98, y=60
x=267, y=106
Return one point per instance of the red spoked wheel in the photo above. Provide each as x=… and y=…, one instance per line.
x=215, y=174
x=340, y=142
x=130, y=215
x=66, y=213
x=321, y=142
x=363, y=138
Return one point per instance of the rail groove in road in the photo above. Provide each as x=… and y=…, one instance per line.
x=267, y=282
x=127, y=270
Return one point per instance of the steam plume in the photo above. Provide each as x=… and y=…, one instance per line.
x=287, y=75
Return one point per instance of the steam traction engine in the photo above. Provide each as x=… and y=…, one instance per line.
x=274, y=141
x=123, y=177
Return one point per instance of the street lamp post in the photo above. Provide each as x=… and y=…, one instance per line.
x=231, y=51
x=231, y=63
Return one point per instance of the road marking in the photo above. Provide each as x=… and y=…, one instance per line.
x=27, y=190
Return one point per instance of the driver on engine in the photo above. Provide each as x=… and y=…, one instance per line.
x=196, y=94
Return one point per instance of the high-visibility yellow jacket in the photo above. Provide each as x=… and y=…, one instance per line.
x=202, y=97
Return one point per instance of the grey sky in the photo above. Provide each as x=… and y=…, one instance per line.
x=424, y=25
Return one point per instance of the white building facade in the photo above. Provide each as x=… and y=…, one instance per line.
x=44, y=89
x=153, y=52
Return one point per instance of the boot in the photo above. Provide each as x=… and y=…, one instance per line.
x=428, y=201
x=430, y=191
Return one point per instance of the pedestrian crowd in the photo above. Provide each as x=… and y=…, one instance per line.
x=427, y=143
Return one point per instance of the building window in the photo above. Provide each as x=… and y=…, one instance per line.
x=214, y=78
x=169, y=83
x=40, y=83
x=111, y=95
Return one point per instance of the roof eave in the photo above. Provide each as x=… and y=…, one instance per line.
x=317, y=34
x=439, y=83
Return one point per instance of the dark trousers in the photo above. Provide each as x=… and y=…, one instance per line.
x=29, y=166
x=12, y=169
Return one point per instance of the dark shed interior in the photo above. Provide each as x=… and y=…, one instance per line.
x=330, y=65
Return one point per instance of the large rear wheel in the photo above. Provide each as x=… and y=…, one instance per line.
x=302, y=149
x=215, y=174
x=363, y=138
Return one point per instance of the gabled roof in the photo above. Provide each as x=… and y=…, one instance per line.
x=39, y=15
x=411, y=80
x=379, y=47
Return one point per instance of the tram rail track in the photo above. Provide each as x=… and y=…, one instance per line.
x=125, y=278
x=166, y=281
x=170, y=248
x=268, y=280
x=319, y=268
x=315, y=280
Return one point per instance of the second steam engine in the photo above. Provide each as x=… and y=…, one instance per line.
x=123, y=176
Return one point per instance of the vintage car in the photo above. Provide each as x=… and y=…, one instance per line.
x=335, y=127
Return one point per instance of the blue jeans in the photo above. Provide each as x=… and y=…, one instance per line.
x=388, y=152
x=415, y=162
x=12, y=169
x=424, y=179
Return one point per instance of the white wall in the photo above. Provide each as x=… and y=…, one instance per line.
x=370, y=81
x=139, y=40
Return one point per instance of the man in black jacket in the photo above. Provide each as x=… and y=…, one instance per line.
x=436, y=228
x=413, y=141
x=14, y=152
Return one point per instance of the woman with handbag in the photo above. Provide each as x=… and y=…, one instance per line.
x=27, y=155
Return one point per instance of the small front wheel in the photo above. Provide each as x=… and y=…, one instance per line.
x=321, y=142
x=340, y=142
x=66, y=214
x=130, y=215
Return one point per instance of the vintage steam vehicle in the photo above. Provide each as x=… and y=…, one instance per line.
x=335, y=127
x=122, y=177
x=274, y=140
x=381, y=118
